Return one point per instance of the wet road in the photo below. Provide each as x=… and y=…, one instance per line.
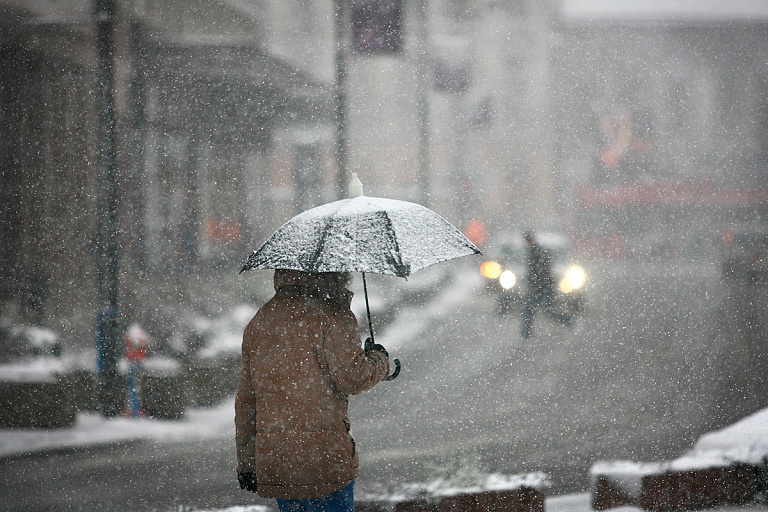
x=657, y=360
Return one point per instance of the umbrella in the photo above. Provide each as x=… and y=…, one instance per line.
x=362, y=234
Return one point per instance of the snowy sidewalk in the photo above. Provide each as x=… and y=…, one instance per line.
x=92, y=429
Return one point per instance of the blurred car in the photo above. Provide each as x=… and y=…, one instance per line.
x=745, y=255
x=505, y=272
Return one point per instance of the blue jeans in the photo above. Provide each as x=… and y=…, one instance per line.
x=340, y=501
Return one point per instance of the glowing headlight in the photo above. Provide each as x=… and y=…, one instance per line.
x=490, y=269
x=507, y=279
x=574, y=279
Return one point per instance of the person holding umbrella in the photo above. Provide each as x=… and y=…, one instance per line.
x=301, y=352
x=301, y=359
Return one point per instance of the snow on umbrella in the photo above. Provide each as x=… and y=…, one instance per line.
x=362, y=234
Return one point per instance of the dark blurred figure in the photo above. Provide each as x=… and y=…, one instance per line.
x=35, y=296
x=540, y=287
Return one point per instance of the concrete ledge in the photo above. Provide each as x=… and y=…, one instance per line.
x=85, y=390
x=606, y=494
x=36, y=405
x=661, y=488
x=212, y=380
x=699, y=488
x=163, y=397
x=523, y=499
x=410, y=505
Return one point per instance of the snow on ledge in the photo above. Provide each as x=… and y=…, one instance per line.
x=45, y=370
x=746, y=441
x=494, y=482
x=92, y=429
x=441, y=487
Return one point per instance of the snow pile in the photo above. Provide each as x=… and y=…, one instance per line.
x=457, y=484
x=161, y=366
x=93, y=429
x=743, y=442
x=46, y=370
x=29, y=354
x=41, y=338
x=493, y=482
x=247, y=508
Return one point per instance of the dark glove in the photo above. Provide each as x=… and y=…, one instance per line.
x=247, y=481
x=370, y=345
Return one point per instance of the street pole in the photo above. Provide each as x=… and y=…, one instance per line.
x=540, y=106
x=422, y=60
x=107, y=246
x=340, y=16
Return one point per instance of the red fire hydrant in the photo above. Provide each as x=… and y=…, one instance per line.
x=136, y=342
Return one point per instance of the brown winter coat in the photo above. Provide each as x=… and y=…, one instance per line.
x=301, y=360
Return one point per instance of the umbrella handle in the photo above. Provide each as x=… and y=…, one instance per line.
x=396, y=372
x=367, y=307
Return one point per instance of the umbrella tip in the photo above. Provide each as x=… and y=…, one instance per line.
x=355, y=186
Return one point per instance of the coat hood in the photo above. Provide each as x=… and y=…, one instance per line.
x=297, y=278
x=322, y=285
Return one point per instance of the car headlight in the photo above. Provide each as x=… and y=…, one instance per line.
x=490, y=269
x=574, y=279
x=507, y=279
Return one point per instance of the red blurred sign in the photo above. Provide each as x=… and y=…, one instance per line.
x=222, y=231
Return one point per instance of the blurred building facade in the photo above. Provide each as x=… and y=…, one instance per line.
x=510, y=111
x=200, y=103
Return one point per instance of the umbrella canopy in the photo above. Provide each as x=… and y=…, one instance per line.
x=363, y=234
